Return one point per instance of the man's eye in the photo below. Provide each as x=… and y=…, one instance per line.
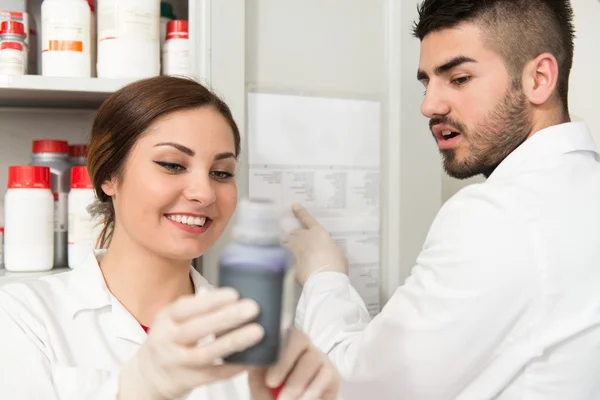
x=171, y=167
x=461, y=80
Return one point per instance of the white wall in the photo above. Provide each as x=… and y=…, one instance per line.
x=585, y=80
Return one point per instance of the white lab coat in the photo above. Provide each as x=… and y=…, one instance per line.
x=66, y=337
x=504, y=300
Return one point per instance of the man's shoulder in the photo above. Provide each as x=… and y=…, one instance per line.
x=483, y=201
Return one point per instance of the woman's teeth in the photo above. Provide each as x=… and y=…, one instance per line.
x=188, y=220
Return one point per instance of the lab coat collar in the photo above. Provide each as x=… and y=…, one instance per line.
x=552, y=141
x=87, y=286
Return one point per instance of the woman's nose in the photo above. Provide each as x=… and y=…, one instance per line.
x=201, y=191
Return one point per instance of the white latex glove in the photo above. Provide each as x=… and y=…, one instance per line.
x=305, y=372
x=313, y=248
x=170, y=363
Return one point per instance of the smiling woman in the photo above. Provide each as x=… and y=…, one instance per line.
x=136, y=321
x=173, y=108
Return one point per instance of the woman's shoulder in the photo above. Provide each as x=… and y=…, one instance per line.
x=34, y=296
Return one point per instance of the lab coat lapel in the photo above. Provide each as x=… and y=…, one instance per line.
x=125, y=326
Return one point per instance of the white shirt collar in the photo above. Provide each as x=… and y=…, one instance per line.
x=87, y=285
x=547, y=143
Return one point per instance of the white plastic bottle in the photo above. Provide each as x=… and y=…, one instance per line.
x=83, y=229
x=66, y=38
x=128, y=38
x=13, y=50
x=175, y=56
x=28, y=220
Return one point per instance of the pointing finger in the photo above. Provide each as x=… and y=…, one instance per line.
x=304, y=216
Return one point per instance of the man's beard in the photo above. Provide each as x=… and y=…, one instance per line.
x=504, y=129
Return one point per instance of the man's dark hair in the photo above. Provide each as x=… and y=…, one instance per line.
x=518, y=30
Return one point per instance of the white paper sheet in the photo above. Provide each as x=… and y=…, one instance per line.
x=323, y=153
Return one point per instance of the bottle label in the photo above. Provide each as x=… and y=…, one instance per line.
x=117, y=18
x=83, y=229
x=62, y=32
x=12, y=60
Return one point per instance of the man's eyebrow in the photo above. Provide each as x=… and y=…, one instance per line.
x=447, y=66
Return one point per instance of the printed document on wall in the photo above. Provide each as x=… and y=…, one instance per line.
x=324, y=154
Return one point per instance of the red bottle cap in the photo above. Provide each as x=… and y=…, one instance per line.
x=80, y=178
x=12, y=27
x=28, y=177
x=50, y=146
x=177, y=29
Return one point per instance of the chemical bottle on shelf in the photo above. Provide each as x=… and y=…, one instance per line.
x=66, y=48
x=28, y=220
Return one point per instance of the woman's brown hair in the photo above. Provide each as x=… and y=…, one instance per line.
x=124, y=117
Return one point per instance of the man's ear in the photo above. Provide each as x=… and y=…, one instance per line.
x=540, y=77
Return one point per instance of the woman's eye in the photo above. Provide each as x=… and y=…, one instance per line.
x=171, y=167
x=221, y=175
x=461, y=80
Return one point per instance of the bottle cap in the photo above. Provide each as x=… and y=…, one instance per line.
x=77, y=150
x=12, y=27
x=257, y=222
x=166, y=10
x=177, y=29
x=28, y=177
x=50, y=146
x=80, y=179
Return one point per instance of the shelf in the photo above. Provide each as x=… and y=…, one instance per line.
x=37, y=91
x=6, y=276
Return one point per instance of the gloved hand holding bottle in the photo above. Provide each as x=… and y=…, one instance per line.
x=172, y=362
x=313, y=248
x=190, y=337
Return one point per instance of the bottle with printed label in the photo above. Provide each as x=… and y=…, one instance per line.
x=54, y=154
x=28, y=220
x=128, y=38
x=175, y=55
x=13, y=50
x=83, y=229
x=18, y=16
x=66, y=38
x=255, y=264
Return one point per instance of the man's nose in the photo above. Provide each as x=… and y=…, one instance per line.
x=434, y=103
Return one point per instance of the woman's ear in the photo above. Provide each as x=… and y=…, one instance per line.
x=110, y=187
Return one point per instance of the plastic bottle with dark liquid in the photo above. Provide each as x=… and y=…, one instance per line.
x=255, y=264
